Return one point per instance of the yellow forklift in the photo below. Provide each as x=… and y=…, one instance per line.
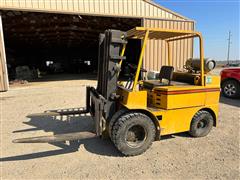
x=137, y=112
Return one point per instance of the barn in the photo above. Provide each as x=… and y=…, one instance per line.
x=63, y=34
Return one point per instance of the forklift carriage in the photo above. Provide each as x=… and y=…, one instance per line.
x=135, y=113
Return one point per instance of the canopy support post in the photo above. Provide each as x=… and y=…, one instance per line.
x=140, y=60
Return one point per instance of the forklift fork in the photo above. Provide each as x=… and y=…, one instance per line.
x=61, y=137
x=56, y=138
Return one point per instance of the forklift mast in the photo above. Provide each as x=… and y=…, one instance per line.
x=110, y=46
x=102, y=103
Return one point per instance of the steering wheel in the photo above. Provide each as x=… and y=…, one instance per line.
x=134, y=67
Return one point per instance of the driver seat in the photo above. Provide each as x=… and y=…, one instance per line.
x=166, y=73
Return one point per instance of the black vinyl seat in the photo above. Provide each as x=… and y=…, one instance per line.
x=166, y=73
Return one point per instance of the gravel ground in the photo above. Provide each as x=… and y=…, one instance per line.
x=174, y=157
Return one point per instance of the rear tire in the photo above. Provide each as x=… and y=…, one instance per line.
x=133, y=133
x=202, y=123
x=231, y=89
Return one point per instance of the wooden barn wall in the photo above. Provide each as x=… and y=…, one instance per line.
x=156, y=50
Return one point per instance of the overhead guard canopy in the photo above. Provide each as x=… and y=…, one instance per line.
x=168, y=35
x=159, y=33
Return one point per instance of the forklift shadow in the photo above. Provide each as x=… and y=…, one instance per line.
x=172, y=136
x=58, y=125
x=231, y=102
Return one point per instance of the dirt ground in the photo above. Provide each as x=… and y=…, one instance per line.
x=173, y=157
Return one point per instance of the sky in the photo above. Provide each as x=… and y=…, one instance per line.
x=214, y=19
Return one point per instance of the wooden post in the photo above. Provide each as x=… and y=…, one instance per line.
x=4, y=84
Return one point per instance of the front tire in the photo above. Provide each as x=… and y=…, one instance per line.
x=114, y=119
x=231, y=88
x=133, y=133
x=202, y=123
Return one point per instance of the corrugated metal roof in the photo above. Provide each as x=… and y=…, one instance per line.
x=167, y=10
x=124, y=8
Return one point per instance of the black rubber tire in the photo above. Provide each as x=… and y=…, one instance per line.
x=114, y=119
x=205, y=120
x=235, y=85
x=122, y=127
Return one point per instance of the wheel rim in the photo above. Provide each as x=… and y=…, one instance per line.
x=230, y=89
x=135, y=136
x=202, y=124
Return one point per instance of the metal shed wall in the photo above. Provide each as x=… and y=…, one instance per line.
x=156, y=50
x=133, y=8
x=152, y=15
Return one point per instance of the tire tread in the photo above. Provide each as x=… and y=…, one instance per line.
x=195, y=119
x=120, y=123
